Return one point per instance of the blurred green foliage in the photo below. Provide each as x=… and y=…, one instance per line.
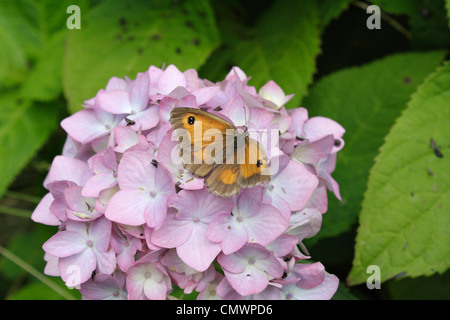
x=385, y=86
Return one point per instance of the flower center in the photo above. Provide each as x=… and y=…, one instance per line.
x=270, y=187
x=89, y=243
x=147, y=275
x=152, y=194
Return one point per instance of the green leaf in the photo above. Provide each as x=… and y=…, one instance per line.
x=282, y=46
x=427, y=18
x=32, y=34
x=365, y=101
x=24, y=127
x=447, y=5
x=16, y=36
x=39, y=291
x=343, y=293
x=404, y=222
x=431, y=288
x=44, y=79
x=122, y=38
x=331, y=9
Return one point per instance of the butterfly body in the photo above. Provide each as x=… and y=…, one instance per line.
x=214, y=149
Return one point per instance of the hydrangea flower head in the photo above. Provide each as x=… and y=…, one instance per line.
x=133, y=223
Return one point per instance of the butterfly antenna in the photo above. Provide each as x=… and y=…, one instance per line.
x=245, y=117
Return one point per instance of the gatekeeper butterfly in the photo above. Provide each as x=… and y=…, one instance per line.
x=214, y=149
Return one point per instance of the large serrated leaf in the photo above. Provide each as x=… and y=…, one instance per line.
x=331, y=9
x=405, y=217
x=122, y=38
x=282, y=47
x=365, y=101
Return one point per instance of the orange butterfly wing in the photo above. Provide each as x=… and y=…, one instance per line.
x=203, y=136
x=204, y=132
x=253, y=165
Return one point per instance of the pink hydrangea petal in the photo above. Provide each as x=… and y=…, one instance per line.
x=173, y=233
x=42, y=214
x=78, y=207
x=98, y=183
x=250, y=200
x=282, y=245
x=267, y=226
x=332, y=185
x=114, y=101
x=158, y=134
x=125, y=137
x=170, y=79
x=154, y=73
x=104, y=162
x=68, y=169
x=100, y=232
x=260, y=118
x=198, y=252
x=252, y=281
x=299, y=117
x=232, y=263
x=145, y=119
x=203, y=95
x=139, y=92
x=273, y=92
x=310, y=275
x=136, y=171
x=168, y=103
x=164, y=181
x=200, y=205
x=77, y=268
x=106, y=261
x=295, y=185
x=83, y=126
x=74, y=149
x=236, y=110
x=279, y=203
x=128, y=207
x=105, y=287
x=324, y=291
x=51, y=268
x=116, y=83
x=65, y=244
x=307, y=152
x=232, y=235
x=103, y=198
x=319, y=199
x=155, y=290
x=156, y=211
x=318, y=127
